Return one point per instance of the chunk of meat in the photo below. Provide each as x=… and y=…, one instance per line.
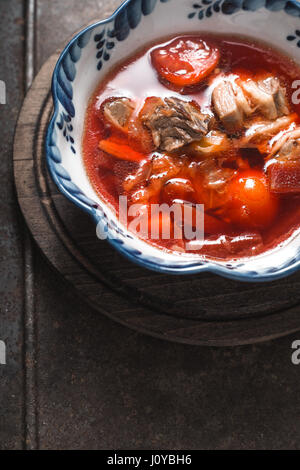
x=213, y=143
x=210, y=181
x=161, y=169
x=216, y=177
x=262, y=131
x=287, y=146
x=117, y=112
x=271, y=85
x=241, y=100
x=174, y=123
x=230, y=105
x=284, y=169
x=267, y=96
x=142, y=174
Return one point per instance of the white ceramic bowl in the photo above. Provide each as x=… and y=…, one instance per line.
x=87, y=59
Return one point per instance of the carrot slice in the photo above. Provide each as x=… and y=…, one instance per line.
x=185, y=61
x=120, y=150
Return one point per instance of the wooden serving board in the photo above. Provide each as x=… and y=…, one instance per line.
x=202, y=309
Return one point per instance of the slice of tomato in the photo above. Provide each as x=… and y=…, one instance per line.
x=185, y=61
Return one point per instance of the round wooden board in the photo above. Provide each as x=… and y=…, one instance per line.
x=202, y=309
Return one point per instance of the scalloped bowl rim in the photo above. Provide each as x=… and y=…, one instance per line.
x=194, y=268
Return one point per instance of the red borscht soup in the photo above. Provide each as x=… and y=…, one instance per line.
x=201, y=119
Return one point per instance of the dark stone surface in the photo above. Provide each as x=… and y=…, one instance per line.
x=101, y=385
x=11, y=264
x=67, y=16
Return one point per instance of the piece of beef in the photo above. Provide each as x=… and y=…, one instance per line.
x=174, y=123
x=214, y=176
x=162, y=168
x=262, y=131
x=215, y=142
x=284, y=168
x=288, y=147
x=230, y=105
x=267, y=96
x=118, y=111
x=272, y=86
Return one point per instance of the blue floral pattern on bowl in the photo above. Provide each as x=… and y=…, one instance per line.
x=206, y=8
x=100, y=46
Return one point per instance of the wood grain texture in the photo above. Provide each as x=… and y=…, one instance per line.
x=201, y=309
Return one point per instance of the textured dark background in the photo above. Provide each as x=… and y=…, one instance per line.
x=99, y=385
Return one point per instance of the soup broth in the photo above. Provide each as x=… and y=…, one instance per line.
x=201, y=119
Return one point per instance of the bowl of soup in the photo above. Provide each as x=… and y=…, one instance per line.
x=176, y=126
